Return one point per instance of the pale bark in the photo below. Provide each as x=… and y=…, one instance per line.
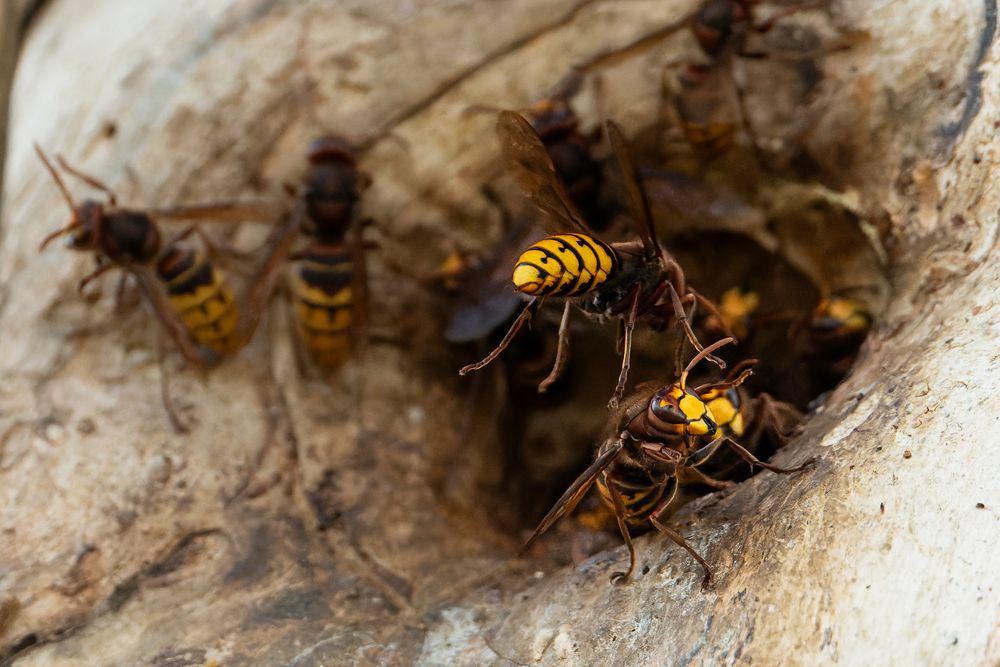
x=124, y=543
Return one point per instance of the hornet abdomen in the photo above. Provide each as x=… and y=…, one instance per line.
x=200, y=295
x=564, y=265
x=640, y=494
x=324, y=304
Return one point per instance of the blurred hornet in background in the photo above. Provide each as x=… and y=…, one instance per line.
x=327, y=283
x=708, y=94
x=736, y=309
x=655, y=443
x=830, y=336
x=702, y=89
x=571, y=152
x=188, y=295
x=625, y=281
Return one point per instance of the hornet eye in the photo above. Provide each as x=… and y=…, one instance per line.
x=667, y=410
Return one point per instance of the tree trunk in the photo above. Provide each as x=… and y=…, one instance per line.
x=308, y=522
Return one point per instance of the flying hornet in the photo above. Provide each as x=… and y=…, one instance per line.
x=485, y=299
x=624, y=281
x=189, y=296
x=655, y=443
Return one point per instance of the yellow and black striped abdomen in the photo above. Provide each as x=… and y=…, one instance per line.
x=202, y=298
x=640, y=494
x=324, y=305
x=564, y=265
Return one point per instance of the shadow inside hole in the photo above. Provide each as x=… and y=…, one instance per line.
x=543, y=440
x=719, y=261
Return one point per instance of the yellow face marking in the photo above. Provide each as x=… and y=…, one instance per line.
x=736, y=425
x=727, y=415
x=674, y=393
x=692, y=407
x=699, y=427
x=710, y=395
x=698, y=412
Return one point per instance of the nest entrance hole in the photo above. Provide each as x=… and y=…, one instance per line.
x=817, y=247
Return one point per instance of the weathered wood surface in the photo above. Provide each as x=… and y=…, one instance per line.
x=310, y=523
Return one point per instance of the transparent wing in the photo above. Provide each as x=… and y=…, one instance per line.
x=527, y=157
x=280, y=243
x=577, y=490
x=638, y=203
x=359, y=277
x=476, y=319
x=156, y=296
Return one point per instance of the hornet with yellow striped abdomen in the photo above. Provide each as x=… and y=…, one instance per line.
x=327, y=282
x=654, y=444
x=187, y=293
x=625, y=281
x=486, y=297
